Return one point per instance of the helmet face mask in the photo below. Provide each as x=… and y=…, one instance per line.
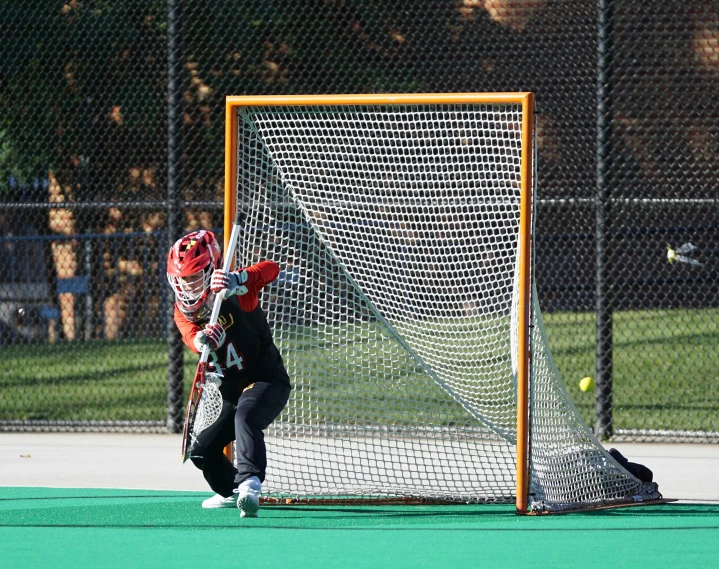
x=190, y=265
x=191, y=291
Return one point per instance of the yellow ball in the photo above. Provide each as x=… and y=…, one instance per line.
x=587, y=384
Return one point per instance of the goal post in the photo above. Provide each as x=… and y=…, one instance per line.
x=405, y=309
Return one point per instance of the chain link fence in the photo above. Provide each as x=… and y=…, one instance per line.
x=111, y=146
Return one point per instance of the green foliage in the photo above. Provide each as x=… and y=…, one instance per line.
x=10, y=163
x=64, y=68
x=86, y=82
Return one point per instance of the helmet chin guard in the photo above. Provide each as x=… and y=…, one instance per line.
x=201, y=312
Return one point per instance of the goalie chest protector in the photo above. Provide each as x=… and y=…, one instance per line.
x=249, y=354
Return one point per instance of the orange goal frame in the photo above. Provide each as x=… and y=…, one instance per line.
x=526, y=100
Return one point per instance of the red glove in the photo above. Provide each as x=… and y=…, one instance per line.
x=213, y=335
x=226, y=284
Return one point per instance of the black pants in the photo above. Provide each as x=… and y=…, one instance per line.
x=259, y=405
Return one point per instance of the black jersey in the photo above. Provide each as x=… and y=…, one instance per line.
x=249, y=353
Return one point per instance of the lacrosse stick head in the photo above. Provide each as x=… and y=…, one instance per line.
x=203, y=408
x=208, y=409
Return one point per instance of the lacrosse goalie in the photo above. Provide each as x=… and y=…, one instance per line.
x=245, y=366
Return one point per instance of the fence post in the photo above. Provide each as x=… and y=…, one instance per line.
x=89, y=323
x=174, y=203
x=603, y=427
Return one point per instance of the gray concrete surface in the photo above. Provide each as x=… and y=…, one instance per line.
x=96, y=460
x=138, y=461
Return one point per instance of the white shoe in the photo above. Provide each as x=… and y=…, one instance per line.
x=248, y=500
x=219, y=501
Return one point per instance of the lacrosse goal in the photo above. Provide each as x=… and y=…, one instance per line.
x=405, y=309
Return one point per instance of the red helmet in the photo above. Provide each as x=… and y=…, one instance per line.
x=190, y=263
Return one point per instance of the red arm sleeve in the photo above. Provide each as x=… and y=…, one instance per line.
x=187, y=329
x=258, y=277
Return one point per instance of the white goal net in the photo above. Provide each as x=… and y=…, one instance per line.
x=397, y=231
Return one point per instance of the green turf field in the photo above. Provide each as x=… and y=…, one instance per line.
x=108, y=529
x=665, y=374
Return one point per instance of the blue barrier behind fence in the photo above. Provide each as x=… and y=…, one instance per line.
x=29, y=287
